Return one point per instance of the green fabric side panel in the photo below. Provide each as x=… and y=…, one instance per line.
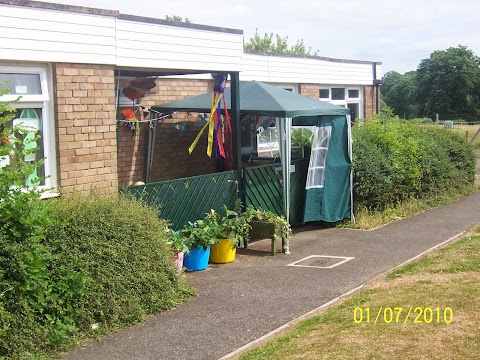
x=332, y=203
x=313, y=205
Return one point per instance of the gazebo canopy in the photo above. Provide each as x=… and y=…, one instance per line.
x=328, y=200
x=260, y=99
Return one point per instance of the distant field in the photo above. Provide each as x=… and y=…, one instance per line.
x=468, y=131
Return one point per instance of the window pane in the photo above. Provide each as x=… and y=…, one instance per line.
x=318, y=158
x=338, y=93
x=353, y=94
x=22, y=84
x=30, y=122
x=324, y=93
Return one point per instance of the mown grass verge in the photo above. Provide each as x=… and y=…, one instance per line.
x=446, y=279
x=370, y=219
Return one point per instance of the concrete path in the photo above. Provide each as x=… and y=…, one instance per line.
x=240, y=302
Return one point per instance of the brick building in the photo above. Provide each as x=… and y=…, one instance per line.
x=67, y=63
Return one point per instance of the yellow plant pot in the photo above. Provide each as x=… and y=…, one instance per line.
x=222, y=252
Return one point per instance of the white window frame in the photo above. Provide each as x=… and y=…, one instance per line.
x=43, y=101
x=347, y=100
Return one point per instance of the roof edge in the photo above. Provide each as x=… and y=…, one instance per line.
x=150, y=20
x=61, y=7
x=314, y=57
x=115, y=13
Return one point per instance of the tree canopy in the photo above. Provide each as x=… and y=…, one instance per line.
x=447, y=83
x=399, y=93
x=276, y=44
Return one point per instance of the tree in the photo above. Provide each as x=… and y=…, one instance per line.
x=277, y=45
x=448, y=83
x=177, y=18
x=398, y=92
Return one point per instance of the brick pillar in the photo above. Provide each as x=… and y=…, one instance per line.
x=85, y=126
x=311, y=90
x=370, y=101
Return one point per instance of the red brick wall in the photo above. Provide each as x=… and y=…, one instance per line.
x=311, y=90
x=85, y=127
x=370, y=101
x=171, y=159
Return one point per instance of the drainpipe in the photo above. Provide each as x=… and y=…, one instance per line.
x=377, y=83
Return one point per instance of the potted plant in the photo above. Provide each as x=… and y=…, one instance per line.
x=230, y=230
x=266, y=224
x=177, y=240
x=199, y=237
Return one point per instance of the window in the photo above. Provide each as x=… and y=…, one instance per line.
x=267, y=138
x=353, y=94
x=34, y=112
x=324, y=93
x=318, y=157
x=338, y=93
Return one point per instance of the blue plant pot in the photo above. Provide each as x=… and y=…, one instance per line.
x=197, y=259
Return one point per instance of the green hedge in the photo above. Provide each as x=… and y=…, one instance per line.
x=93, y=264
x=394, y=161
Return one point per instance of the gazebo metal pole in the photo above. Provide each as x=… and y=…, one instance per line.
x=350, y=154
x=235, y=116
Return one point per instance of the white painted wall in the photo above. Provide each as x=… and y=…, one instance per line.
x=288, y=69
x=35, y=34
x=166, y=47
x=31, y=34
x=40, y=35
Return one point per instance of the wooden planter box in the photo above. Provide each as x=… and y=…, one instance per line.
x=265, y=230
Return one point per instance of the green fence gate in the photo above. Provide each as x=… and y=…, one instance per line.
x=264, y=188
x=188, y=199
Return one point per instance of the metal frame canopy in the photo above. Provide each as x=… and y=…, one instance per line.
x=259, y=98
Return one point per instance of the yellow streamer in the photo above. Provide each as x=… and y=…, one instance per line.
x=211, y=126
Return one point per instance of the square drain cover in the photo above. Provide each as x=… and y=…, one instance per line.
x=321, y=261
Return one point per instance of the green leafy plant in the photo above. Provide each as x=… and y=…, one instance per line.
x=177, y=240
x=36, y=313
x=395, y=161
x=215, y=227
x=302, y=137
x=282, y=227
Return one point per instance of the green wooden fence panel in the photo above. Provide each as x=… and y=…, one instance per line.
x=263, y=187
x=189, y=199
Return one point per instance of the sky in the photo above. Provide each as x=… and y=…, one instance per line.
x=397, y=33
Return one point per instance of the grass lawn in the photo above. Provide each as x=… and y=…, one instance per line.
x=469, y=131
x=367, y=219
x=443, y=292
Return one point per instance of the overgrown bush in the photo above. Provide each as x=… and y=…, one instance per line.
x=394, y=161
x=88, y=261
x=29, y=314
x=120, y=246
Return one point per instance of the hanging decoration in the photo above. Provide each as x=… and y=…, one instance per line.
x=180, y=126
x=202, y=119
x=214, y=121
x=135, y=89
x=130, y=119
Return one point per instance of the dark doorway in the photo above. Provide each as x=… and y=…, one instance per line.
x=354, y=110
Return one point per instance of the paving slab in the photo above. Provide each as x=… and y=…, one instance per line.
x=257, y=293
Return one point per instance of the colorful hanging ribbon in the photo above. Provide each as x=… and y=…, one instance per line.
x=214, y=119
